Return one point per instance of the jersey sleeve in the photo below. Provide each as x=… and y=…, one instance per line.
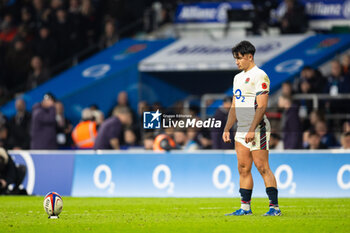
x=262, y=84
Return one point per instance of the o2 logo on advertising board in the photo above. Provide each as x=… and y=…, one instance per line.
x=340, y=177
x=226, y=183
x=166, y=183
x=288, y=183
x=105, y=183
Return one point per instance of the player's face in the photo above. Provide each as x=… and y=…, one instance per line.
x=243, y=61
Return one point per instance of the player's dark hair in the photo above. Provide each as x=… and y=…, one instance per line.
x=243, y=47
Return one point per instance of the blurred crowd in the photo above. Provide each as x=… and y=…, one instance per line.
x=40, y=38
x=37, y=37
x=295, y=123
x=303, y=126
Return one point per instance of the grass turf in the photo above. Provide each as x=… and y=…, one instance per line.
x=26, y=214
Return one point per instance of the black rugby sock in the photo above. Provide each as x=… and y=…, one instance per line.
x=246, y=195
x=272, y=193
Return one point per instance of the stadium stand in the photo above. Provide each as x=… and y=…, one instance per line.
x=40, y=39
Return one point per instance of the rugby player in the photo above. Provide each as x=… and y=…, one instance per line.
x=250, y=98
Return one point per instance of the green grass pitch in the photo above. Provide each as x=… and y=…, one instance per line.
x=26, y=214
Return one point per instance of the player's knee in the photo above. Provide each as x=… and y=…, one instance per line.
x=244, y=169
x=263, y=170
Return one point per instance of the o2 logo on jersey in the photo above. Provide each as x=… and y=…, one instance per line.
x=238, y=95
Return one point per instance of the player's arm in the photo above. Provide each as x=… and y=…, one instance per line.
x=231, y=120
x=261, y=101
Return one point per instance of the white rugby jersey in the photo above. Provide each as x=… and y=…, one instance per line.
x=246, y=86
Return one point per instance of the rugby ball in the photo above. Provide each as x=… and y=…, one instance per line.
x=53, y=204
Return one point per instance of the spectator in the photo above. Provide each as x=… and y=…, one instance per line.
x=3, y=136
x=3, y=119
x=43, y=125
x=314, y=141
x=7, y=29
x=287, y=89
x=11, y=176
x=327, y=138
x=90, y=21
x=78, y=30
x=192, y=137
x=345, y=62
x=50, y=13
x=74, y=7
x=142, y=106
x=27, y=20
x=110, y=36
x=345, y=141
x=148, y=140
x=184, y=142
x=64, y=127
x=315, y=116
x=63, y=33
x=84, y=134
x=130, y=139
x=99, y=117
x=291, y=126
x=110, y=133
x=337, y=81
x=38, y=75
x=309, y=81
x=56, y=4
x=19, y=127
x=39, y=10
x=216, y=134
x=203, y=138
x=157, y=106
x=24, y=34
x=122, y=101
x=294, y=19
x=4, y=94
x=17, y=62
x=45, y=46
x=261, y=18
x=275, y=142
x=346, y=126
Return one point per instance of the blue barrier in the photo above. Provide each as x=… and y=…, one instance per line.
x=179, y=174
x=47, y=172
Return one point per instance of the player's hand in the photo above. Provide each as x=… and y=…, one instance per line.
x=226, y=137
x=249, y=137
